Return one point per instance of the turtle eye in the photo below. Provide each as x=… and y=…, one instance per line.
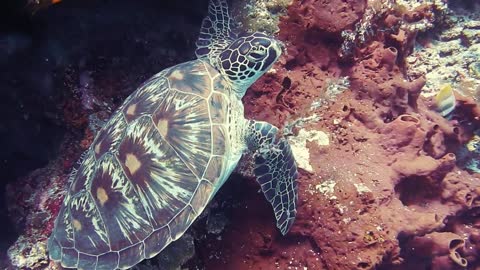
x=256, y=55
x=244, y=48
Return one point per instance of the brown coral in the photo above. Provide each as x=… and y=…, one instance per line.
x=439, y=246
x=328, y=16
x=389, y=173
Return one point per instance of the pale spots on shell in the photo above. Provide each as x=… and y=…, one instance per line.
x=97, y=148
x=162, y=127
x=77, y=225
x=177, y=75
x=131, y=109
x=102, y=196
x=132, y=163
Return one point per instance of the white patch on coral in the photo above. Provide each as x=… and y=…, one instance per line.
x=272, y=71
x=327, y=188
x=299, y=146
x=336, y=87
x=320, y=137
x=361, y=188
x=411, y=5
x=341, y=208
x=36, y=256
x=302, y=156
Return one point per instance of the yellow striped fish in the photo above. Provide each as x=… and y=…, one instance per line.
x=474, y=144
x=445, y=100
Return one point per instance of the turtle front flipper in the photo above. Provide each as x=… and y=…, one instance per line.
x=275, y=170
x=215, y=34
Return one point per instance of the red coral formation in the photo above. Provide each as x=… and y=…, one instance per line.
x=310, y=59
x=386, y=184
x=329, y=16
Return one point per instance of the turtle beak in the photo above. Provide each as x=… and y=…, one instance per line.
x=278, y=46
x=274, y=51
x=282, y=46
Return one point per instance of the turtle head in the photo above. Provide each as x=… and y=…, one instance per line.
x=247, y=58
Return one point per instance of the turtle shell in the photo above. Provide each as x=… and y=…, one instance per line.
x=149, y=173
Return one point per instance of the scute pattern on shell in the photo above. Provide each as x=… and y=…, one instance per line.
x=186, y=127
x=145, y=100
x=109, y=137
x=164, y=184
x=119, y=203
x=149, y=173
x=89, y=230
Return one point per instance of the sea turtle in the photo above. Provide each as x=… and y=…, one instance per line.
x=167, y=150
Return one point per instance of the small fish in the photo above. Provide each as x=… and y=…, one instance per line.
x=445, y=100
x=35, y=5
x=468, y=156
x=474, y=144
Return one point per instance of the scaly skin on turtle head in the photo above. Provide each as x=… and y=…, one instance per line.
x=241, y=59
x=247, y=58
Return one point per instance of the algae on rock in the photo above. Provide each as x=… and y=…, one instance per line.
x=260, y=15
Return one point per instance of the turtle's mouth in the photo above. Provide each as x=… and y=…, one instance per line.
x=278, y=46
x=274, y=51
x=281, y=45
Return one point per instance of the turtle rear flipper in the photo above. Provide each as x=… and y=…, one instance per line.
x=275, y=170
x=215, y=34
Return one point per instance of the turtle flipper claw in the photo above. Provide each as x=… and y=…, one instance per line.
x=275, y=170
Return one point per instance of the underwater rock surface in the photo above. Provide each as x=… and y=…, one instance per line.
x=381, y=183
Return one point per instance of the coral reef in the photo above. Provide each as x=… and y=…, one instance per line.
x=35, y=202
x=387, y=180
x=450, y=55
x=259, y=15
x=393, y=21
x=468, y=156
